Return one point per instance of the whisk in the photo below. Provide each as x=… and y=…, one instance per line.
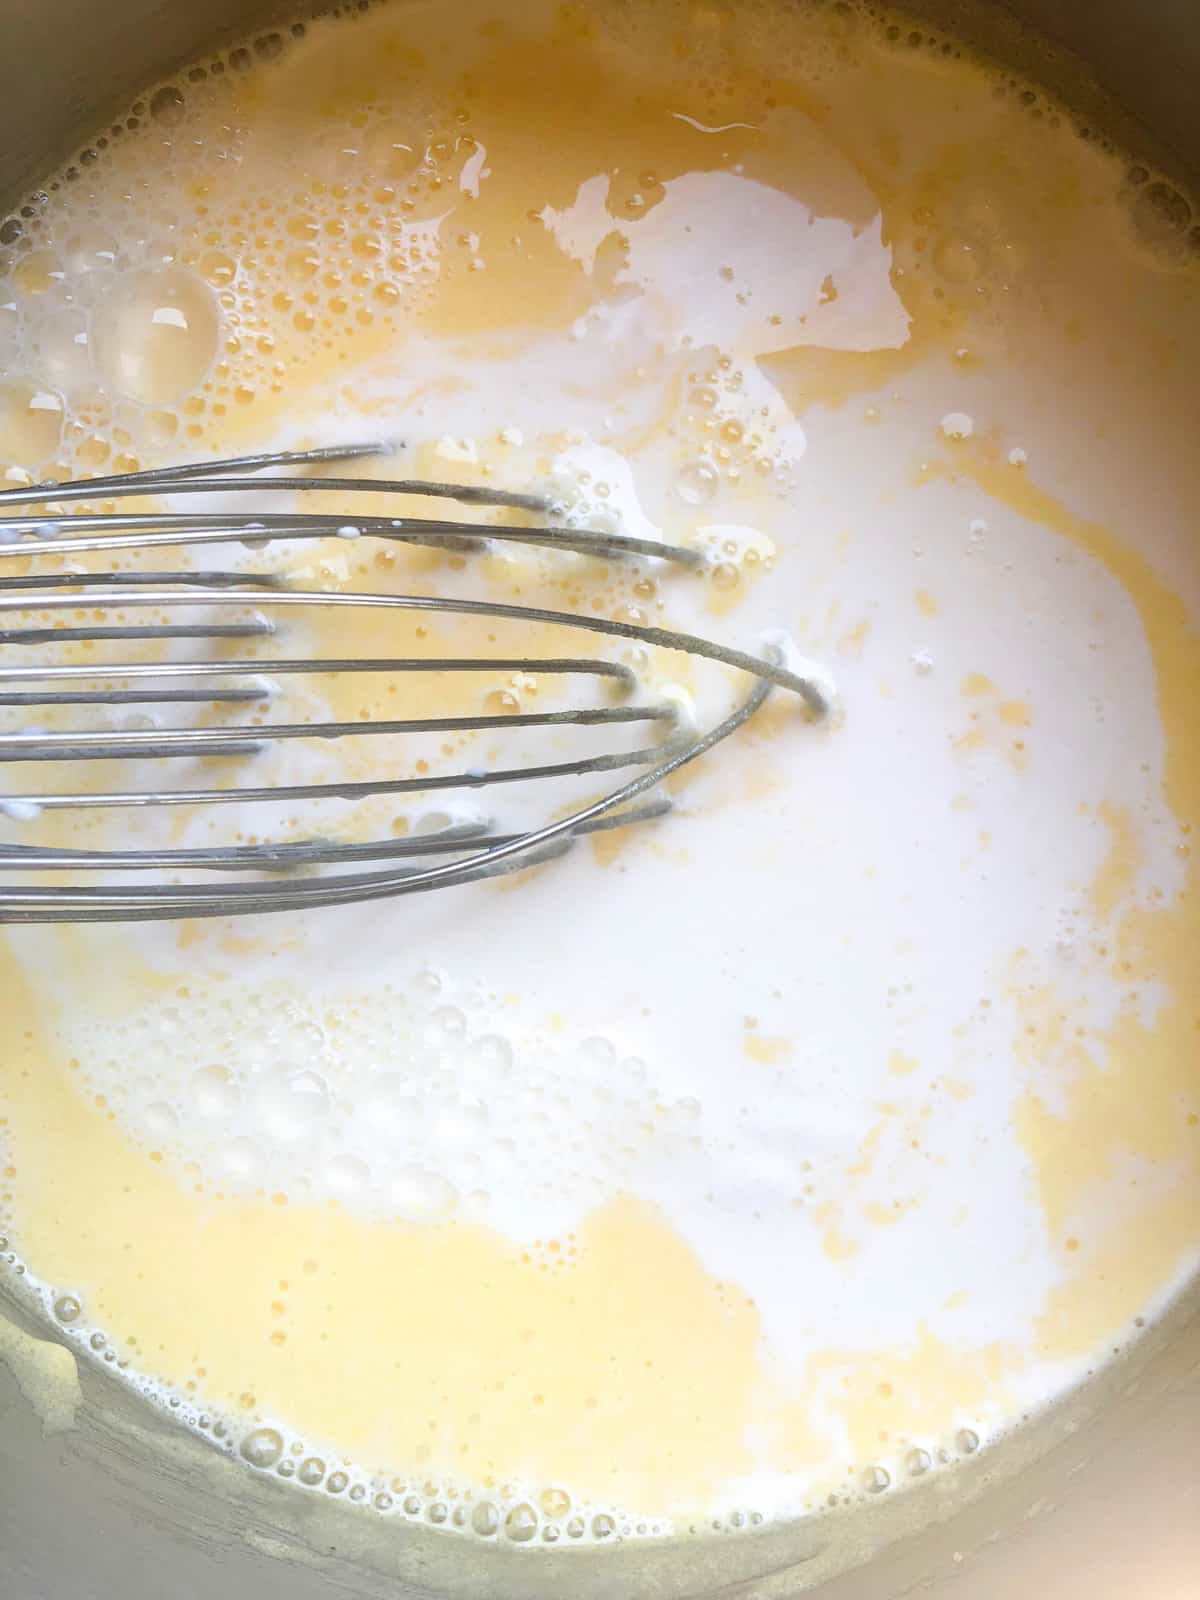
x=190, y=611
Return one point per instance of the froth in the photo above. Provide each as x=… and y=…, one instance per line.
x=145, y=302
x=421, y=1102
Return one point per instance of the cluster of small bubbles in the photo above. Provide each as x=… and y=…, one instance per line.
x=147, y=297
x=729, y=434
x=420, y=1103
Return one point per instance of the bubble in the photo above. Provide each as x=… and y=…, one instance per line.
x=967, y=1441
x=598, y=1052
x=242, y=1159
x=961, y=262
x=37, y=273
x=337, y=1482
x=347, y=1175
x=697, y=483
x=420, y=1195
x=262, y=1448
x=31, y=422
x=161, y=1118
x=167, y=105
x=875, y=1480
x=218, y=269
x=60, y=349
x=446, y=1024
x=603, y=1526
x=293, y=1105
x=555, y=1502
x=155, y=335
x=392, y=1107
x=923, y=661
x=485, y=1519
x=311, y=1471
x=576, y=1528
x=392, y=150
x=957, y=425
x=462, y=1123
x=1161, y=216
x=214, y=1092
x=917, y=1462
x=303, y=265
x=67, y=1308
x=521, y=1523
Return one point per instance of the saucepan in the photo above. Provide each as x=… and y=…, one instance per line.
x=1098, y=1499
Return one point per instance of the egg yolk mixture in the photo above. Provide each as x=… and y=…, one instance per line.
x=801, y=1141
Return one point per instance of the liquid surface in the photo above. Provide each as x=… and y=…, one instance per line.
x=796, y=1145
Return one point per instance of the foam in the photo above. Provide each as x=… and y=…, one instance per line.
x=416, y=1103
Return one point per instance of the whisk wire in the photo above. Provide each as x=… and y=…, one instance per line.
x=193, y=607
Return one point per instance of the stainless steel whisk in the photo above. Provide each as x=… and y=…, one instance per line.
x=189, y=610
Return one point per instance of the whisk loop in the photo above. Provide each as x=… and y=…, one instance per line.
x=193, y=614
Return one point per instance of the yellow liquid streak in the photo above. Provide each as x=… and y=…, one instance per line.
x=441, y=1350
x=1112, y=1114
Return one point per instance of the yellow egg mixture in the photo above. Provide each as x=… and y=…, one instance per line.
x=807, y=1140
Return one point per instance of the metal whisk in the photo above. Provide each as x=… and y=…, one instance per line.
x=189, y=612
